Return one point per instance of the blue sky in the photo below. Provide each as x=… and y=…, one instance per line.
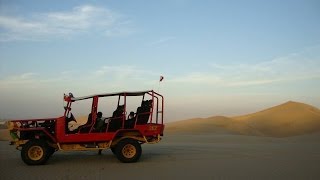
x=218, y=57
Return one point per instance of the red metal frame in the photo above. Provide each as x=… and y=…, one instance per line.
x=152, y=128
x=21, y=127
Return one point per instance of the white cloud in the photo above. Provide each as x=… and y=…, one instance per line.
x=123, y=72
x=27, y=75
x=122, y=76
x=293, y=67
x=162, y=40
x=115, y=70
x=196, y=78
x=81, y=19
x=251, y=82
x=21, y=79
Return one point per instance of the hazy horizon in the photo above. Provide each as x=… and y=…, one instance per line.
x=217, y=57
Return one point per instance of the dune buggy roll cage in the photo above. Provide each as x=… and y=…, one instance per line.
x=156, y=99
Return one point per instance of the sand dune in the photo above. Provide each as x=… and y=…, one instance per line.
x=215, y=124
x=200, y=125
x=291, y=118
x=288, y=119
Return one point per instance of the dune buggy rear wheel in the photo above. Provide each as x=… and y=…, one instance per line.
x=51, y=150
x=128, y=150
x=113, y=150
x=35, y=152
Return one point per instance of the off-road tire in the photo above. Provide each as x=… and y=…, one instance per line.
x=113, y=150
x=35, y=152
x=51, y=150
x=128, y=150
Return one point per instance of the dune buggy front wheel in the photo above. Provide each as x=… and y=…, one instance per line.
x=128, y=150
x=35, y=152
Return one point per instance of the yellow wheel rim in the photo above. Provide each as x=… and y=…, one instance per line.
x=129, y=151
x=35, y=153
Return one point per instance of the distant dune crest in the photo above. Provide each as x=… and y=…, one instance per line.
x=288, y=119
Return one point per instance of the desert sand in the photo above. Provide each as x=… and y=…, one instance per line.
x=182, y=156
x=208, y=148
x=285, y=120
